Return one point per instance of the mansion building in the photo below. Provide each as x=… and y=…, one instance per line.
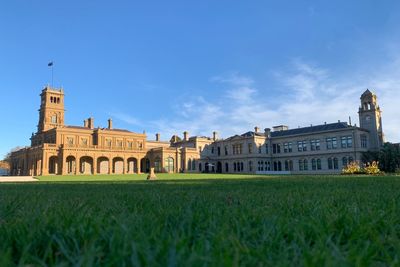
x=59, y=149
x=326, y=148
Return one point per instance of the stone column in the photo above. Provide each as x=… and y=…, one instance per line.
x=110, y=163
x=94, y=166
x=76, y=165
x=64, y=166
x=138, y=166
x=125, y=167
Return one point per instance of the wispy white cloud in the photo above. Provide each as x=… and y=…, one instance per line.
x=307, y=94
x=127, y=118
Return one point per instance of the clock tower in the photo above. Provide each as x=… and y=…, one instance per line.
x=370, y=116
x=51, y=112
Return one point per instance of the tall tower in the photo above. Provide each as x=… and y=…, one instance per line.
x=370, y=116
x=51, y=112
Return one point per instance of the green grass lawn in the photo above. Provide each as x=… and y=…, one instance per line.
x=201, y=220
x=142, y=177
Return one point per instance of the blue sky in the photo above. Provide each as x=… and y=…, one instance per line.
x=170, y=66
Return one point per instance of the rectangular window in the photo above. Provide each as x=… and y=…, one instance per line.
x=331, y=143
x=287, y=147
x=346, y=141
x=302, y=146
x=250, y=147
x=237, y=149
x=349, y=141
x=266, y=149
x=315, y=145
x=219, y=151
x=363, y=139
x=276, y=148
x=226, y=150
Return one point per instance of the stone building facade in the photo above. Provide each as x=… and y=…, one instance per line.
x=326, y=148
x=60, y=149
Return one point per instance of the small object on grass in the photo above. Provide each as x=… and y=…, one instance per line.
x=152, y=175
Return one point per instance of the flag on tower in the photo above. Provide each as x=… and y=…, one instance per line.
x=50, y=64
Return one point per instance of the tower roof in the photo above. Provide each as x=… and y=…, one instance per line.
x=367, y=93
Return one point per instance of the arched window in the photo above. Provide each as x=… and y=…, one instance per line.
x=305, y=165
x=301, y=165
x=288, y=165
x=241, y=166
x=319, y=167
x=226, y=167
x=157, y=165
x=351, y=159
x=189, y=164
x=344, y=161
x=314, y=164
x=200, y=167
x=335, y=163
x=234, y=166
x=267, y=166
x=193, y=165
x=330, y=163
x=169, y=164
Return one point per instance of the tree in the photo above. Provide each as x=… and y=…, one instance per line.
x=388, y=157
x=7, y=157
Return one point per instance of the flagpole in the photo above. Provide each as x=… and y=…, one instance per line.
x=51, y=65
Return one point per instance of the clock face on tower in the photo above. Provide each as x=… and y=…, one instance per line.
x=367, y=118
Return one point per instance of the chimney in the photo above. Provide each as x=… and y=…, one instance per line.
x=215, y=136
x=85, y=123
x=90, y=123
x=256, y=129
x=267, y=132
x=110, y=126
x=185, y=136
x=157, y=137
